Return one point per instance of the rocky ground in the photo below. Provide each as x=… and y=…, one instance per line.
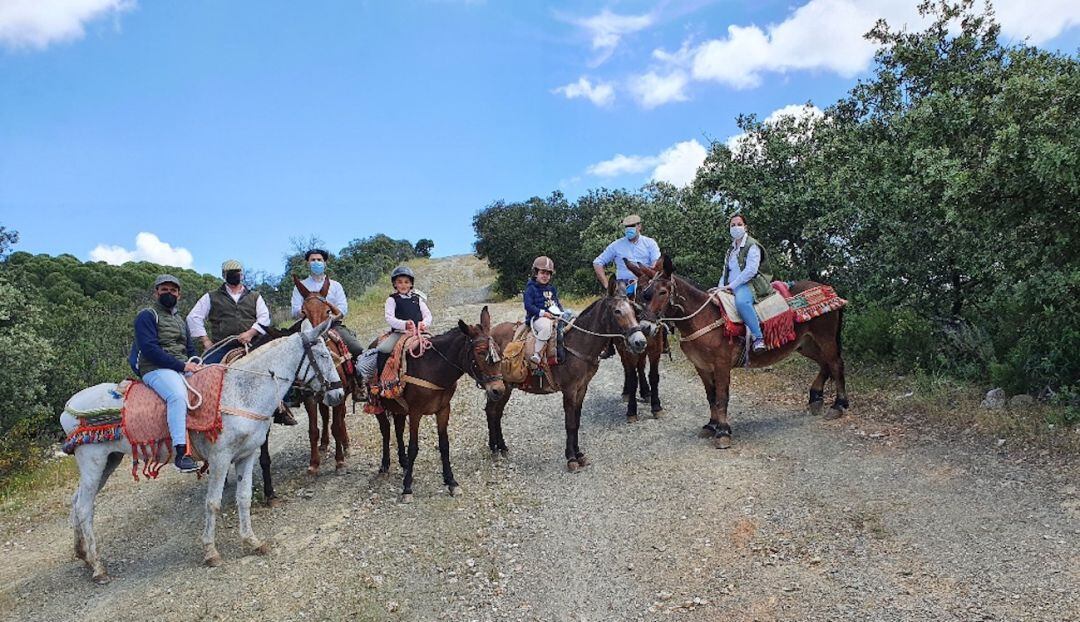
x=802, y=520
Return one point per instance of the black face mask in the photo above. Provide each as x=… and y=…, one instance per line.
x=167, y=300
x=232, y=277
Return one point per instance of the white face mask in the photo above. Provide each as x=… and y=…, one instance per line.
x=737, y=231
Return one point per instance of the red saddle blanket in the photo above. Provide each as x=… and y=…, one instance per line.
x=146, y=428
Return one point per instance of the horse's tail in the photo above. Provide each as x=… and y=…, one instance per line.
x=840, y=332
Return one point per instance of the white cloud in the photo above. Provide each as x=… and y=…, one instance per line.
x=652, y=89
x=601, y=94
x=148, y=247
x=675, y=165
x=607, y=30
x=807, y=113
x=37, y=23
x=827, y=35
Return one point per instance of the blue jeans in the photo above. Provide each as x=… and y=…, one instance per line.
x=169, y=385
x=744, y=302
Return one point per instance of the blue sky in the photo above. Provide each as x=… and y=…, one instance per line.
x=191, y=132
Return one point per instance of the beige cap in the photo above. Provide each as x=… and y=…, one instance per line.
x=631, y=220
x=231, y=264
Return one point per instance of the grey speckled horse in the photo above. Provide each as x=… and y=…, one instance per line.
x=254, y=385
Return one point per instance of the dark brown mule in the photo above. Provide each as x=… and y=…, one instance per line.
x=714, y=355
x=316, y=308
x=430, y=383
x=611, y=316
x=634, y=379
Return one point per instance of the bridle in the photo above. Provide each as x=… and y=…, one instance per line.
x=478, y=346
x=319, y=377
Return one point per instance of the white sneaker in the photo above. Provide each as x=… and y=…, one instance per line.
x=535, y=358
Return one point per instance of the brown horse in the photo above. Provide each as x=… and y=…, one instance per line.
x=634, y=367
x=430, y=383
x=608, y=317
x=317, y=308
x=676, y=300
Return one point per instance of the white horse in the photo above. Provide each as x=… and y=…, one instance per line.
x=252, y=389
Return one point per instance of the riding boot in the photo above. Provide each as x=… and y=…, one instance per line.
x=284, y=416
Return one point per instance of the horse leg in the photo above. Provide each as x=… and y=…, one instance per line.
x=632, y=385
x=94, y=470
x=324, y=439
x=722, y=382
x=244, y=468
x=494, y=412
x=654, y=380
x=313, y=435
x=575, y=459
x=414, y=448
x=219, y=468
x=269, y=496
x=399, y=432
x=341, y=440
x=836, y=371
x=384, y=429
x=812, y=351
x=709, y=429
x=442, y=420
x=578, y=454
x=643, y=384
x=628, y=374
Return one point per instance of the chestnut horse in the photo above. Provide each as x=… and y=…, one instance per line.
x=317, y=308
x=634, y=367
x=430, y=383
x=676, y=300
x=588, y=335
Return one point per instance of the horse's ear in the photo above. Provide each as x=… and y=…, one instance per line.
x=659, y=265
x=611, y=287
x=325, y=288
x=463, y=327
x=300, y=286
x=620, y=289
x=669, y=266
x=485, y=319
x=634, y=267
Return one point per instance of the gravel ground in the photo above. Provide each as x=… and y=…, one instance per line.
x=802, y=520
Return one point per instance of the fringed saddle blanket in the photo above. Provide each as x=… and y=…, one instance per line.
x=145, y=425
x=780, y=311
x=391, y=382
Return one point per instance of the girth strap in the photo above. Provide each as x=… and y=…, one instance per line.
x=701, y=331
x=420, y=382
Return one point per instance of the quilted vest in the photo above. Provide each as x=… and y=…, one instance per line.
x=228, y=317
x=407, y=308
x=172, y=335
x=761, y=283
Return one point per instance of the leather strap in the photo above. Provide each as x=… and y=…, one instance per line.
x=701, y=331
x=420, y=382
x=246, y=414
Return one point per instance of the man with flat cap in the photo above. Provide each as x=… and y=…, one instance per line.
x=232, y=310
x=160, y=357
x=633, y=246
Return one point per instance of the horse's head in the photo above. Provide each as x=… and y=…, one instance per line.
x=656, y=286
x=619, y=316
x=315, y=306
x=483, y=356
x=317, y=368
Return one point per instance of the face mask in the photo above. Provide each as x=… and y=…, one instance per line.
x=737, y=232
x=317, y=267
x=232, y=277
x=167, y=300
x=631, y=233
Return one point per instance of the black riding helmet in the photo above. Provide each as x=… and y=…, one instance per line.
x=403, y=271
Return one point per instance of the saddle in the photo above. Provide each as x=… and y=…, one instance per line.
x=779, y=311
x=144, y=423
x=517, y=366
x=390, y=381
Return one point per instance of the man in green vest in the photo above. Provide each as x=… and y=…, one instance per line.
x=232, y=311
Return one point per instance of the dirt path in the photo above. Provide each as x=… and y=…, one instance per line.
x=802, y=520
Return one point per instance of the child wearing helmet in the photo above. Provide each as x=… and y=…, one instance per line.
x=405, y=310
x=542, y=305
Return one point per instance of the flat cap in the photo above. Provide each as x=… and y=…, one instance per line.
x=231, y=264
x=166, y=278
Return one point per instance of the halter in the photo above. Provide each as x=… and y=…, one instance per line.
x=479, y=346
x=625, y=335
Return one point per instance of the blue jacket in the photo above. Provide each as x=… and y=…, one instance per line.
x=147, y=344
x=535, y=300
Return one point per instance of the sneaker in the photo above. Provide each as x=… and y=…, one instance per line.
x=185, y=464
x=759, y=346
x=283, y=416
x=535, y=358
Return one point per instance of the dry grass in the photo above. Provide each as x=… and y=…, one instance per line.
x=30, y=487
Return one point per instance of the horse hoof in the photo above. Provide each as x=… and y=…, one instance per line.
x=658, y=413
x=631, y=418
x=382, y=474
x=213, y=561
x=406, y=497
x=504, y=452
x=273, y=502
x=706, y=433
x=455, y=490
x=834, y=413
x=583, y=461
x=572, y=466
x=101, y=578
x=722, y=442
x=341, y=469
x=815, y=408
